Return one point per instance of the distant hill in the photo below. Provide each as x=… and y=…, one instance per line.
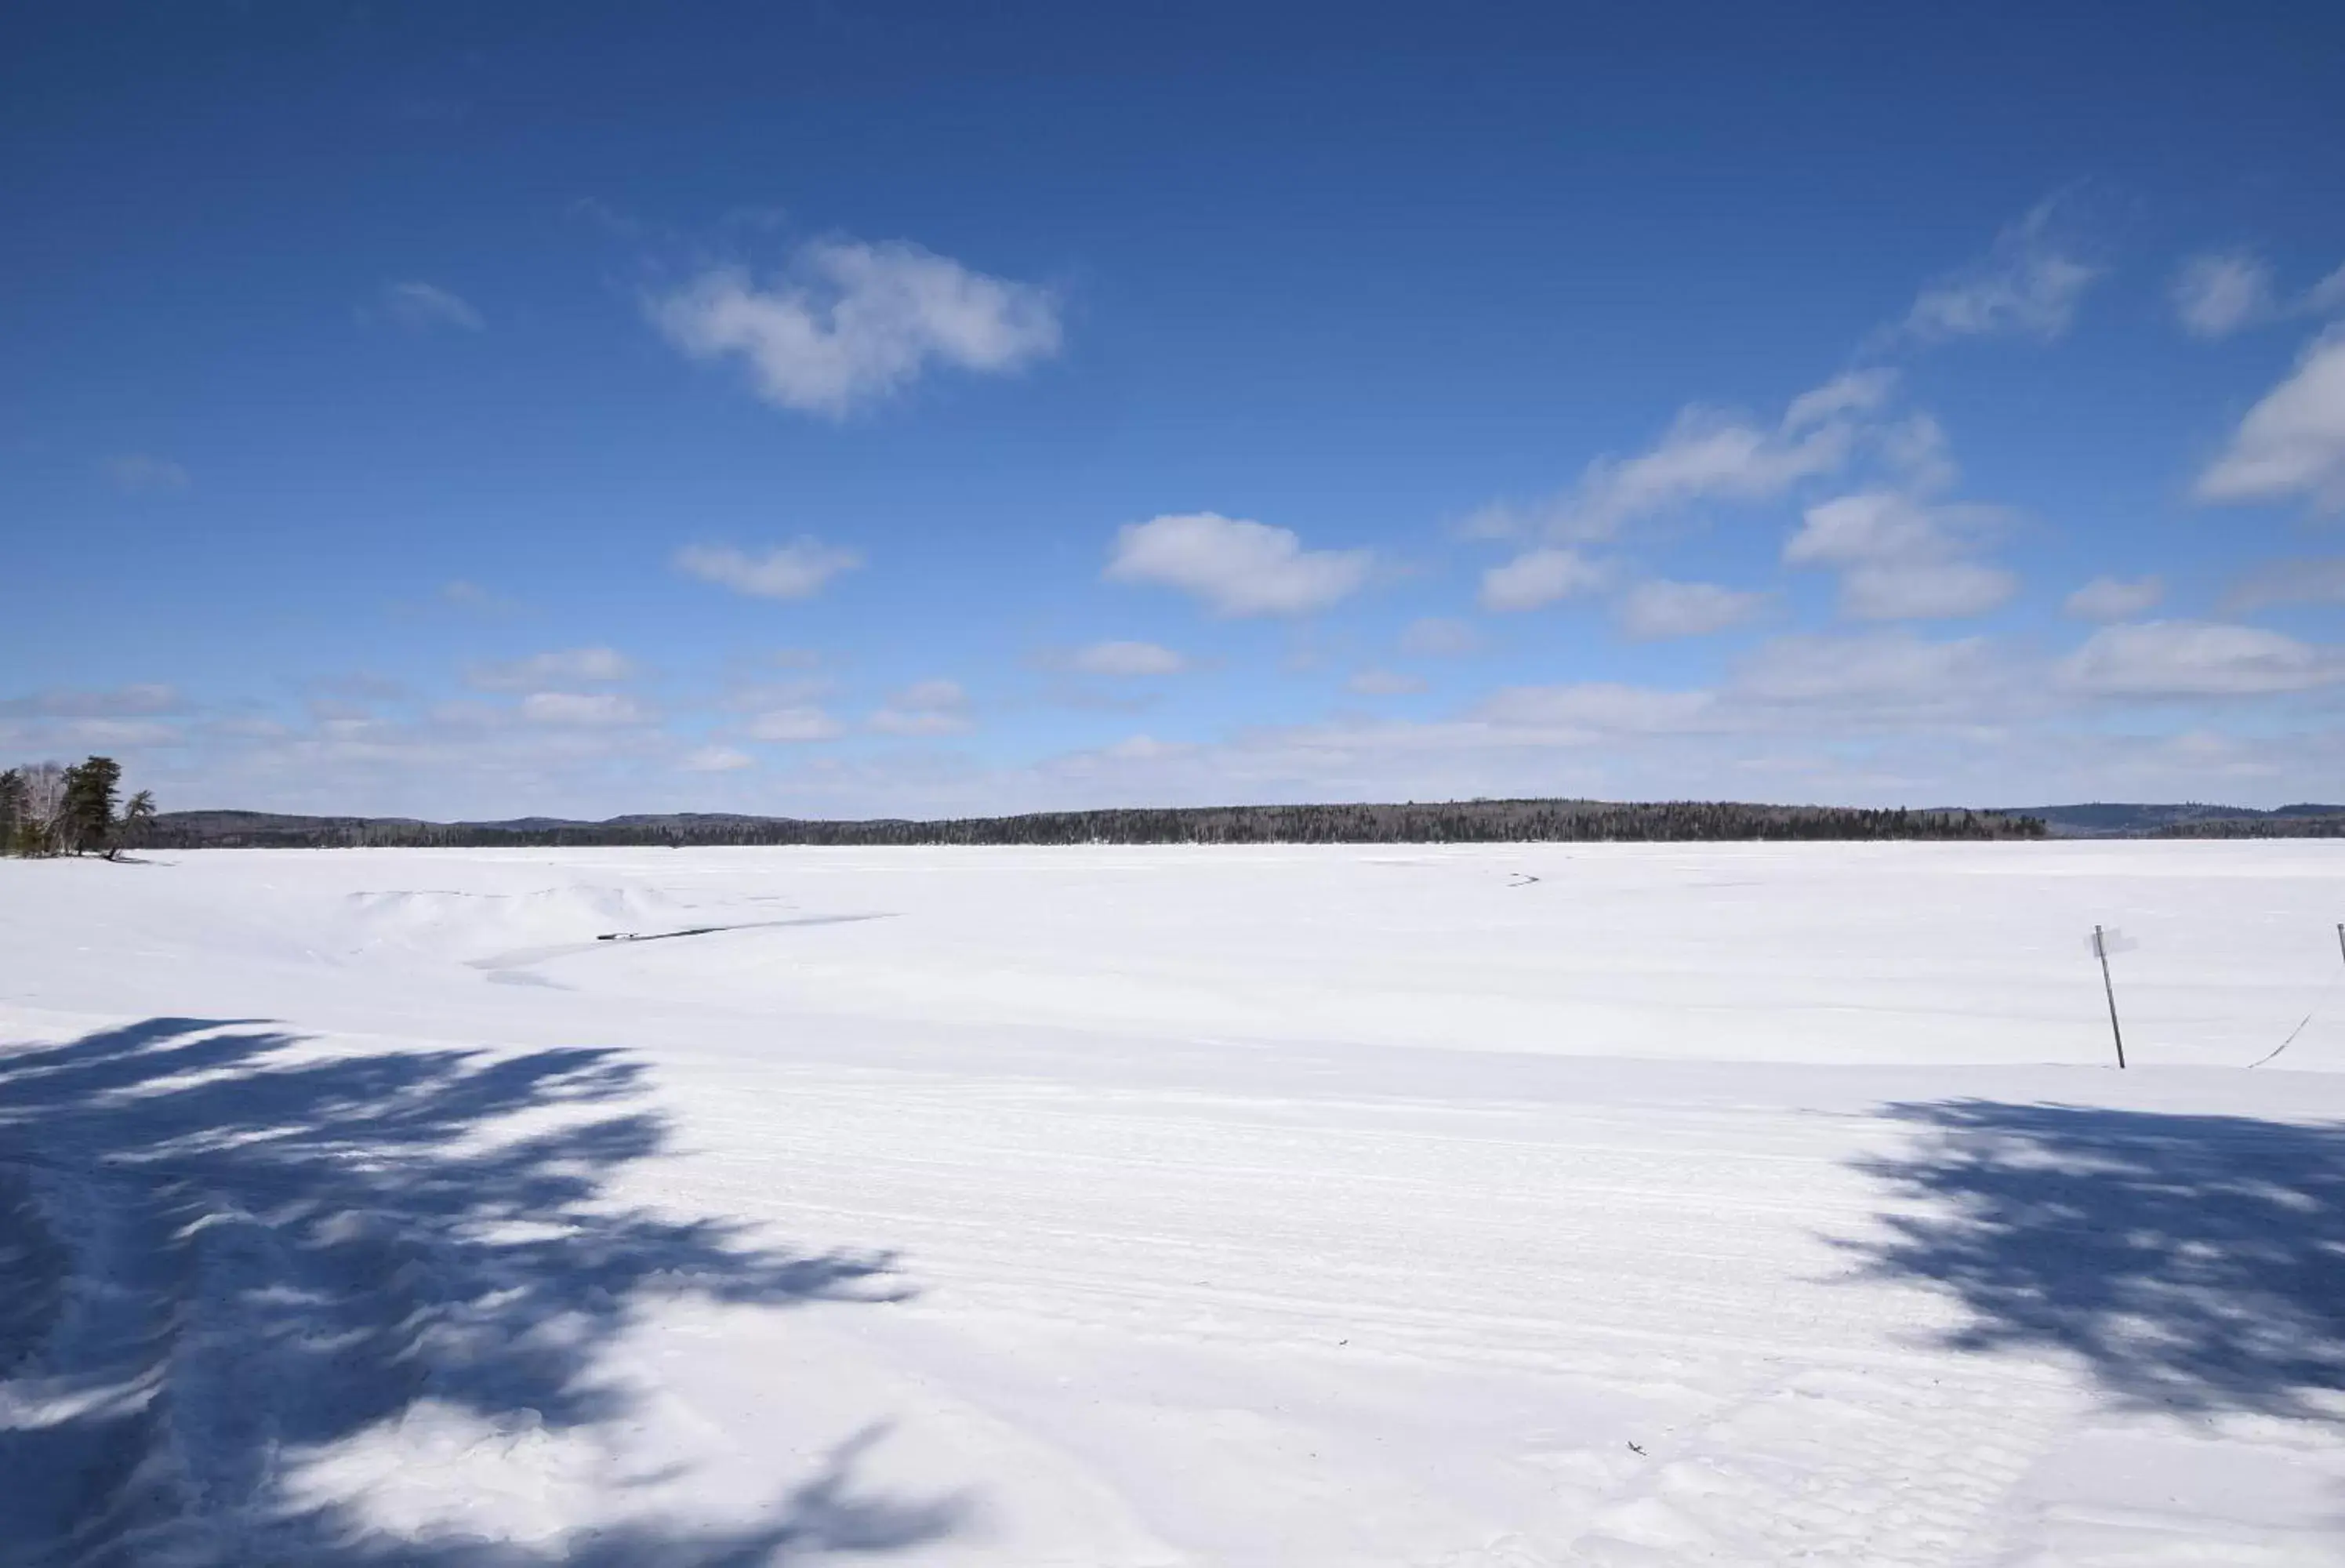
x=1454, y=822
x=2190, y=819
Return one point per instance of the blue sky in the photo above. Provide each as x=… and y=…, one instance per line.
x=853, y=410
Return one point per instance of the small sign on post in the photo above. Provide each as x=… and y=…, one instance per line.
x=2103, y=944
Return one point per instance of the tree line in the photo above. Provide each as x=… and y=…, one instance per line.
x=48, y=809
x=1453, y=822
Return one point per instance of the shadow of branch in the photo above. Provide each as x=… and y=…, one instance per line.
x=215, y=1252
x=2190, y=1262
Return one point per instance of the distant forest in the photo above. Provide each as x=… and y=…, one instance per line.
x=1456, y=822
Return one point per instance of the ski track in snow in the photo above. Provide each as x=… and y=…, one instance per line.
x=1725, y=1204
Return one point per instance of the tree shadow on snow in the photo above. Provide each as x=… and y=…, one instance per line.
x=215, y=1253
x=2189, y=1262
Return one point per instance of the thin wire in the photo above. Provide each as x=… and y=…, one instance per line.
x=2318, y=1003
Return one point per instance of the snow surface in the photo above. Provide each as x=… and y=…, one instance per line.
x=1632, y=1204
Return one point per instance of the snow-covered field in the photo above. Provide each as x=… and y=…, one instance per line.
x=1643, y=1204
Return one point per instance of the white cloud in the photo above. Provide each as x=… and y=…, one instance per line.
x=1924, y=590
x=566, y=665
x=2215, y=295
x=420, y=307
x=1705, y=455
x=2320, y=581
x=794, y=570
x=585, y=709
x=1440, y=637
x=1599, y=707
x=1539, y=577
x=2292, y=444
x=794, y=723
x=715, y=760
x=1127, y=659
x=2115, y=598
x=854, y=322
x=141, y=700
x=1236, y=566
x=1870, y=526
x=136, y=473
x=1662, y=609
x=1383, y=683
x=1900, y=560
x=925, y=708
x=1872, y=671
x=2327, y=295
x=2027, y=284
x=2197, y=659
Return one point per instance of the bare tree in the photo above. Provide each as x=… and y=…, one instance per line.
x=41, y=829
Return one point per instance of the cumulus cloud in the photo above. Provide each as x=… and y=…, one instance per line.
x=2115, y=598
x=422, y=306
x=2197, y=659
x=583, y=709
x=2215, y=295
x=2028, y=285
x=1900, y=559
x=2292, y=443
x=136, y=473
x=563, y=666
x=1237, y=567
x=1539, y=577
x=2320, y=580
x=1705, y=455
x=715, y=760
x=1440, y=637
x=1127, y=659
x=1658, y=609
x=1383, y=683
x=2327, y=295
x=797, y=570
x=852, y=322
x=925, y=708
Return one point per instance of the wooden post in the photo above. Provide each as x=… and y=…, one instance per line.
x=2101, y=946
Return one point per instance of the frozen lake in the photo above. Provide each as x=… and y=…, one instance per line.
x=1507, y=1205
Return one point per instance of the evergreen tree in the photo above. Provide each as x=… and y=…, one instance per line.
x=12, y=809
x=137, y=821
x=91, y=791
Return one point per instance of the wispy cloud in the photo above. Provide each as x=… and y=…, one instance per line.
x=935, y=707
x=2114, y=599
x=1127, y=659
x=566, y=666
x=583, y=709
x=2318, y=581
x=2028, y=284
x=1383, y=683
x=115, y=703
x=136, y=473
x=425, y=307
x=852, y=322
x=1655, y=610
x=2217, y=294
x=715, y=760
x=1236, y=566
x=1440, y=637
x=797, y=570
x=1539, y=577
x=793, y=723
x=1704, y=455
